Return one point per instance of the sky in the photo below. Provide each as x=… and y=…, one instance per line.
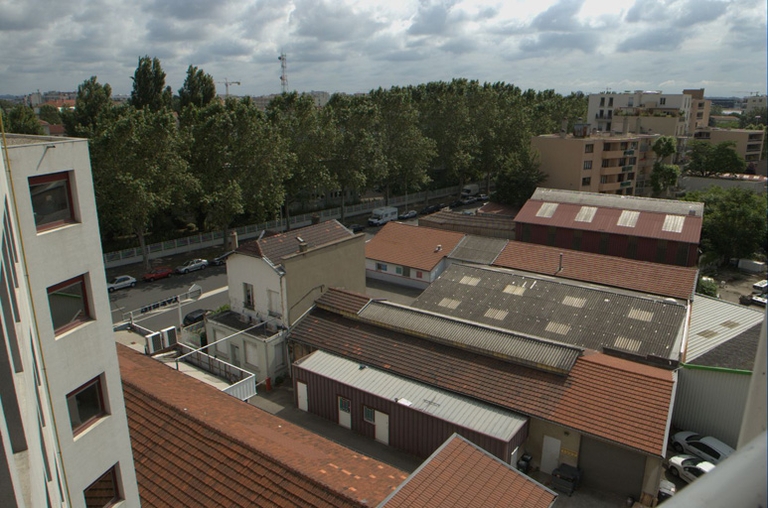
x=356, y=46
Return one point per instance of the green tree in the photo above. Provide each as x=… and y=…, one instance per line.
x=663, y=177
x=93, y=100
x=50, y=114
x=518, y=179
x=21, y=119
x=149, y=90
x=308, y=135
x=663, y=147
x=707, y=286
x=699, y=153
x=139, y=171
x=734, y=224
x=724, y=159
x=198, y=90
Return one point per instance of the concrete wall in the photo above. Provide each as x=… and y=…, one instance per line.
x=570, y=442
x=261, y=275
x=339, y=264
x=265, y=357
x=82, y=353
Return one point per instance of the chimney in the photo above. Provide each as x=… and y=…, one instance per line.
x=315, y=218
x=564, y=128
x=303, y=247
x=233, y=242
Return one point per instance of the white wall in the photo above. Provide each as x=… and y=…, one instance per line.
x=248, y=269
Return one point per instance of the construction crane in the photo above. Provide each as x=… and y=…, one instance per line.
x=284, y=72
x=227, y=83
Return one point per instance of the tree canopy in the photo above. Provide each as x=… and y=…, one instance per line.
x=149, y=90
x=93, y=99
x=21, y=119
x=734, y=223
x=199, y=89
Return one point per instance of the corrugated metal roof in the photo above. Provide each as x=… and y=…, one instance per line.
x=642, y=204
x=463, y=411
x=541, y=306
x=515, y=348
x=714, y=322
x=478, y=249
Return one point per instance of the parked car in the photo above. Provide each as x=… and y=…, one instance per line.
x=192, y=265
x=160, y=272
x=121, y=282
x=410, y=214
x=483, y=198
x=456, y=204
x=220, y=260
x=468, y=200
x=356, y=228
x=195, y=316
x=708, y=448
x=688, y=467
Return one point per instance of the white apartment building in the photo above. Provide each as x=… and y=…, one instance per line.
x=62, y=418
x=640, y=112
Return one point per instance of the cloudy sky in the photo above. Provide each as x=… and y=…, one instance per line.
x=355, y=46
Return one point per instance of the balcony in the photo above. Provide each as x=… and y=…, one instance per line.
x=627, y=183
x=629, y=152
x=625, y=169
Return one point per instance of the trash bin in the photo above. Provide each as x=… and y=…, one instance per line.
x=566, y=478
x=524, y=464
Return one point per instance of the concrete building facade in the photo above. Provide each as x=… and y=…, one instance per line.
x=653, y=111
x=700, y=109
x=65, y=436
x=749, y=143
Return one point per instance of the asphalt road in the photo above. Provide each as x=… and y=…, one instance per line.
x=212, y=280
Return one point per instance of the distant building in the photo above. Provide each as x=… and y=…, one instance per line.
x=754, y=102
x=65, y=436
x=700, y=109
x=646, y=112
x=749, y=143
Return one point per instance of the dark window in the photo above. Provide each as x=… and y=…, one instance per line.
x=662, y=101
x=369, y=414
x=606, y=147
x=602, y=101
x=610, y=102
x=632, y=248
x=586, y=181
x=381, y=267
x=345, y=405
x=606, y=163
x=551, y=235
x=406, y=271
x=661, y=251
x=103, y=492
x=577, y=240
x=51, y=200
x=526, y=233
x=69, y=304
x=632, y=161
x=86, y=405
x=589, y=148
x=604, y=179
x=587, y=164
x=419, y=275
x=603, y=243
x=248, y=295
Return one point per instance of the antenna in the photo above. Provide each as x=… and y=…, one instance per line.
x=283, y=72
x=227, y=83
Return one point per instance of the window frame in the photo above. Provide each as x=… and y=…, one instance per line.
x=86, y=315
x=118, y=494
x=46, y=179
x=372, y=415
x=344, y=404
x=249, y=300
x=103, y=410
x=587, y=166
x=589, y=148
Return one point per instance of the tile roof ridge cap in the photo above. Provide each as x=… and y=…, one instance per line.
x=183, y=413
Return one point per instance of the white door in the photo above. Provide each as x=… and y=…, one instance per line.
x=382, y=428
x=345, y=413
x=302, y=391
x=550, y=454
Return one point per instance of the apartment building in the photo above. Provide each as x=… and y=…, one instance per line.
x=642, y=112
x=63, y=425
x=749, y=143
x=618, y=163
x=755, y=102
x=700, y=109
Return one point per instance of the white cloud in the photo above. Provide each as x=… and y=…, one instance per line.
x=350, y=46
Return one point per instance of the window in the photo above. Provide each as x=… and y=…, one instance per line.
x=610, y=102
x=589, y=148
x=632, y=161
x=606, y=147
x=369, y=414
x=248, y=295
x=399, y=270
x=251, y=353
x=604, y=179
x=606, y=163
x=69, y=304
x=623, y=145
x=602, y=101
x=51, y=200
x=86, y=405
x=622, y=161
x=419, y=275
x=586, y=181
x=406, y=271
x=104, y=491
x=587, y=164
x=662, y=101
x=345, y=405
x=381, y=267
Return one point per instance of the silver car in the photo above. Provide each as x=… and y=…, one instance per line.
x=192, y=265
x=121, y=282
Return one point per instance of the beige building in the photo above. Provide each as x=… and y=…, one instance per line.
x=755, y=102
x=618, y=163
x=62, y=418
x=700, y=109
x=642, y=112
x=749, y=143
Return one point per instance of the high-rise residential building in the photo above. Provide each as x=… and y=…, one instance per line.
x=64, y=432
x=700, y=109
x=754, y=102
x=641, y=112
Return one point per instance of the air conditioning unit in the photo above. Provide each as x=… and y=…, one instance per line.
x=154, y=343
x=170, y=336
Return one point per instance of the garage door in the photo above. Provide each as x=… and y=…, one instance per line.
x=610, y=468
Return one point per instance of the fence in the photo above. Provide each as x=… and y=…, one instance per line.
x=242, y=383
x=216, y=238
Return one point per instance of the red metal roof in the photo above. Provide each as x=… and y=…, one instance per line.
x=648, y=225
x=607, y=397
x=653, y=278
x=412, y=246
x=460, y=474
x=196, y=446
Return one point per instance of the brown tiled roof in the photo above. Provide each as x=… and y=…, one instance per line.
x=652, y=278
x=462, y=475
x=342, y=301
x=649, y=224
x=282, y=245
x=412, y=246
x=196, y=446
x=607, y=397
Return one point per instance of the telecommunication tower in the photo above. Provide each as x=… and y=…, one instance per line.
x=284, y=72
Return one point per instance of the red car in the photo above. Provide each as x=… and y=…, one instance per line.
x=160, y=272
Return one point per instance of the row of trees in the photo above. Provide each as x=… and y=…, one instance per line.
x=163, y=160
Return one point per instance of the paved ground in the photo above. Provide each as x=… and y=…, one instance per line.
x=734, y=283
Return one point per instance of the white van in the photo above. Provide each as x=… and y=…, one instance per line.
x=760, y=288
x=381, y=216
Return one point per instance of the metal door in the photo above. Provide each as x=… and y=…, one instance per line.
x=345, y=413
x=301, y=389
x=550, y=454
x=382, y=427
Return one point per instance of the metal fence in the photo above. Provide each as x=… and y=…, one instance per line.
x=216, y=238
x=242, y=382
